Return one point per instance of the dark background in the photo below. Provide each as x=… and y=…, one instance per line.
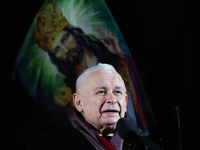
x=163, y=37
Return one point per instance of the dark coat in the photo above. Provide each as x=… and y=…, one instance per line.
x=70, y=138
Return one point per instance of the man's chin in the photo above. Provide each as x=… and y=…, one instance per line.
x=110, y=122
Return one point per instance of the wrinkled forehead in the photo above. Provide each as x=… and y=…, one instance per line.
x=102, y=79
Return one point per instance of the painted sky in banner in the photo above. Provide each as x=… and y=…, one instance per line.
x=64, y=35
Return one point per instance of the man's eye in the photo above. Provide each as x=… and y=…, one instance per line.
x=118, y=92
x=56, y=50
x=101, y=92
x=65, y=37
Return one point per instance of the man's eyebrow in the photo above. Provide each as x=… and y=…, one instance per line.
x=100, y=87
x=105, y=87
x=119, y=87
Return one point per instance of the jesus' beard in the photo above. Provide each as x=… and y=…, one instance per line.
x=75, y=56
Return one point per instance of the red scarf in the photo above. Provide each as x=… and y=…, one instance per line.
x=105, y=143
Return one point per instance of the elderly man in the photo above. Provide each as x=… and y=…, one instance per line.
x=100, y=101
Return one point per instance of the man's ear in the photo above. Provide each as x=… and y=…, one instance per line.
x=126, y=99
x=77, y=102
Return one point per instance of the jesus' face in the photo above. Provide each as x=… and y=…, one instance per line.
x=66, y=48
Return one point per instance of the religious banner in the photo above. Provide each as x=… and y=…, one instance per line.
x=65, y=38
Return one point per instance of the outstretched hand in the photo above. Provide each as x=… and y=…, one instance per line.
x=113, y=45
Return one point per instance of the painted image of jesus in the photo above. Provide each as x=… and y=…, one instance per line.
x=72, y=51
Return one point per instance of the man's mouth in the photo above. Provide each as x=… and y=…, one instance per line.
x=71, y=53
x=109, y=112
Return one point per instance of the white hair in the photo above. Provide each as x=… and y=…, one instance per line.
x=104, y=68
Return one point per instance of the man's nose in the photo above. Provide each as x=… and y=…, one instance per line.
x=64, y=48
x=111, y=98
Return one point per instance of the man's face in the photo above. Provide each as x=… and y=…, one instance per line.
x=103, y=100
x=66, y=48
